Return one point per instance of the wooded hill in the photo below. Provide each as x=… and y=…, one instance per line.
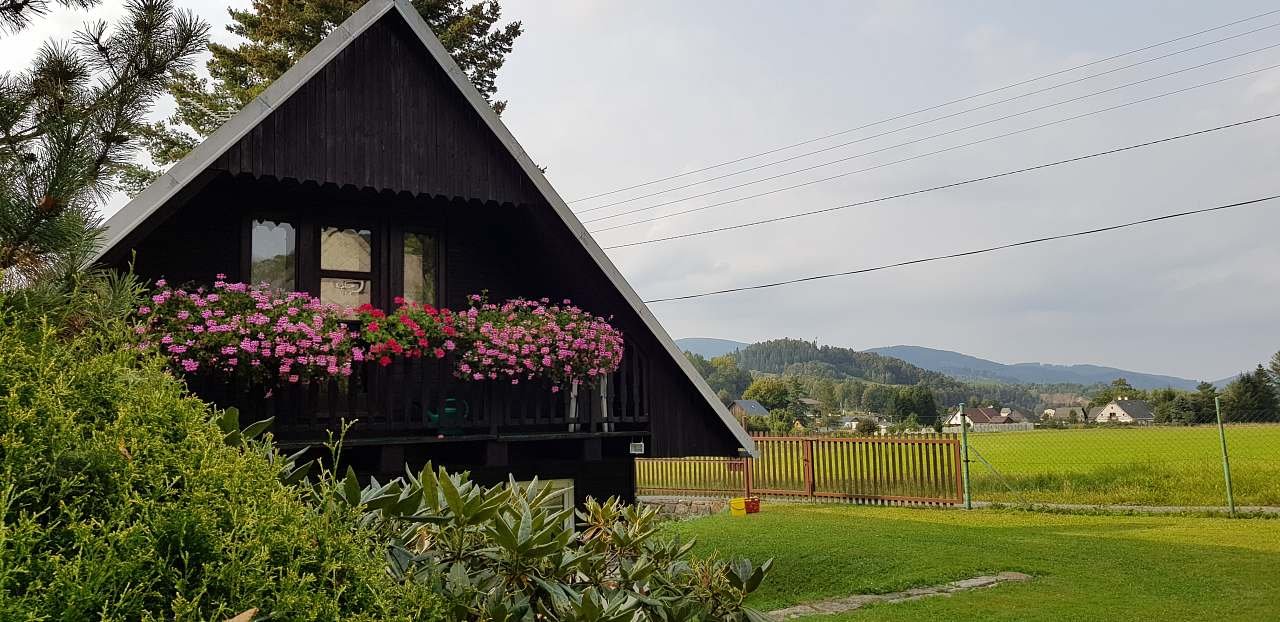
x=814, y=363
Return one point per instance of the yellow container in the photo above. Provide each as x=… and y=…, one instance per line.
x=738, y=506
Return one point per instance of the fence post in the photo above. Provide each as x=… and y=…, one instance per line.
x=808, y=467
x=746, y=475
x=964, y=462
x=1226, y=462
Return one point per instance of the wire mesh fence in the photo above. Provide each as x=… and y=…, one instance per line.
x=1137, y=462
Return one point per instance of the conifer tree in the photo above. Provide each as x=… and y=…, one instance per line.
x=277, y=33
x=69, y=126
x=17, y=14
x=1251, y=397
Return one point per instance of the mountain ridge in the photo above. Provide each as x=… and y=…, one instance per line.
x=974, y=369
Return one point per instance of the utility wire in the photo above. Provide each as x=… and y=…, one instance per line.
x=935, y=119
x=943, y=186
x=979, y=251
x=927, y=109
x=926, y=138
x=909, y=159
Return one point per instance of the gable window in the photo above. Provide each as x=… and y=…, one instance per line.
x=345, y=261
x=418, y=261
x=346, y=266
x=273, y=257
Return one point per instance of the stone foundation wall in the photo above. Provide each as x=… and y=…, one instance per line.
x=686, y=507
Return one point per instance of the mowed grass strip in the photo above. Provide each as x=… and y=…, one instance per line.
x=1086, y=567
x=1153, y=465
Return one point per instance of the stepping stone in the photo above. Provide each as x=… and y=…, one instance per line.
x=849, y=603
x=974, y=583
x=1013, y=576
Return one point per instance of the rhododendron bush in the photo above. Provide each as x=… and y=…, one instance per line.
x=272, y=337
x=249, y=331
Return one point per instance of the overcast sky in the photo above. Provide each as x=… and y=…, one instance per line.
x=611, y=94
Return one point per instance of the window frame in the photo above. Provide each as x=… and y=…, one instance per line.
x=395, y=270
x=246, y=253
x=376, y=288
x=386, y=274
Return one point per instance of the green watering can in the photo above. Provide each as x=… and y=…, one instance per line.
x=448, y=420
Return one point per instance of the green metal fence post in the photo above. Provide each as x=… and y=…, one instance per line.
x=964, y=463
x=1226, y=462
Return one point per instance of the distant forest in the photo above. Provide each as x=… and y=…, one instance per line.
x=846, y=379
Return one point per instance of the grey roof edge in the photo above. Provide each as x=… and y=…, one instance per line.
x=562, y=210
x=204, y=154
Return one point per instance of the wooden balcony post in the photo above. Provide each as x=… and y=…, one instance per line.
x=573, y=408
x=605, y=426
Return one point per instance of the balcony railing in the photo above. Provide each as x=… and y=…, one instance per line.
x=420, y=398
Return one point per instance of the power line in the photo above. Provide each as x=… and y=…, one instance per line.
x=909, y=159
x=944, y=117
x=979, y=251
x=941, y=187
x=924, y=138
x=927, y=109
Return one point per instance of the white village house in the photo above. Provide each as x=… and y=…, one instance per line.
x=1123, y=411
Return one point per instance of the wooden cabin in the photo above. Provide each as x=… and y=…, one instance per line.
x=373, y=169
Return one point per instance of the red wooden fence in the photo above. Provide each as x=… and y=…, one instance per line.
x=914, y=470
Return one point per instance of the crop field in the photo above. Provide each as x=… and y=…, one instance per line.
x=1131, y=465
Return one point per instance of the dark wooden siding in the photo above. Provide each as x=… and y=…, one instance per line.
x=383, y=115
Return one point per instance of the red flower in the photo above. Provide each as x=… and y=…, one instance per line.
x=384, y=361
x=399, y=300
x=373, y=327
x=439, y=353
x=377, y=313
x=450, y=331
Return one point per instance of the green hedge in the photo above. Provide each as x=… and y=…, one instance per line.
x=121, y=501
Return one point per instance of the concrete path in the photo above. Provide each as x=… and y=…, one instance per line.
x=857, y=601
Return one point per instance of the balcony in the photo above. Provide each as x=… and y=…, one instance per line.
x=419, y=400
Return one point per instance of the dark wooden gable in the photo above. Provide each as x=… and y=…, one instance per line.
x=382, y=132
x=384, y=115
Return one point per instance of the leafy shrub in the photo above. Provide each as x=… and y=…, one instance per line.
x=120, y=500
x=867, y=426
x=498, y=553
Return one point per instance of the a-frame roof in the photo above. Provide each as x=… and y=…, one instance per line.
x=187, y=170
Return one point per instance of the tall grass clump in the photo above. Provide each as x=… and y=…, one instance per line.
x=120, y=500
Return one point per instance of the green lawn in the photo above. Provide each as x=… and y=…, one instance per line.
x=1130, y=465
x=1086, y=567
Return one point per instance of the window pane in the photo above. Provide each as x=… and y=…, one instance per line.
x=420, y=268
x=345, y=292
x=345, y=249
x=272, y=254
